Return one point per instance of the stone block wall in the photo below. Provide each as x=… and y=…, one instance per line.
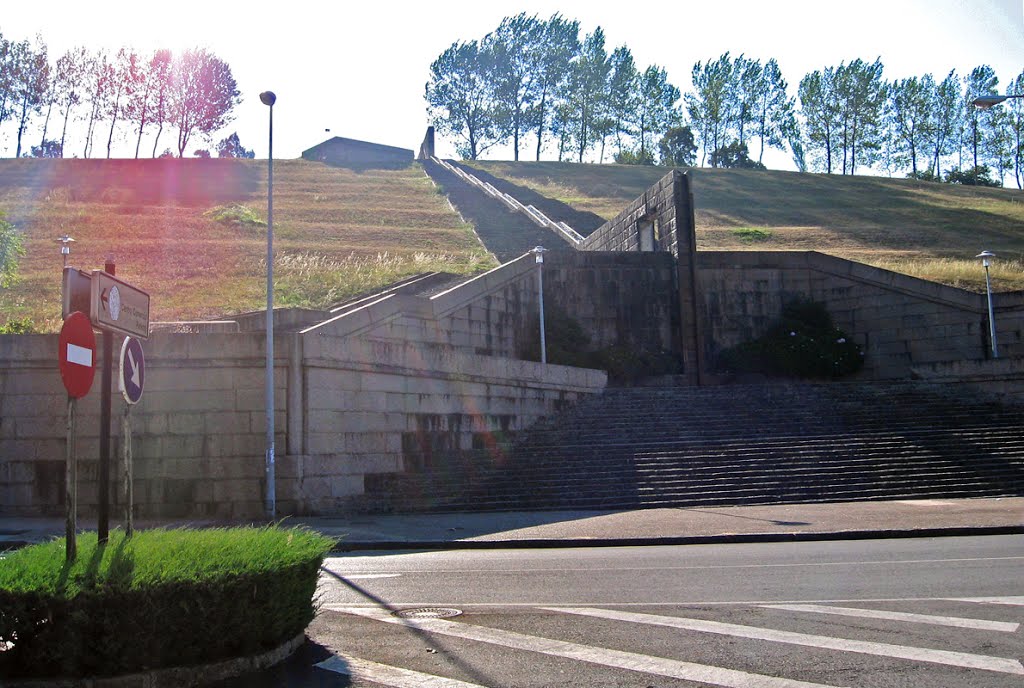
x=899, y=321
x=198, y=432
x=665, y=211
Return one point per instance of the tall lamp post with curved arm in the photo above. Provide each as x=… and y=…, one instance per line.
x=270, y=496
x=985, y=102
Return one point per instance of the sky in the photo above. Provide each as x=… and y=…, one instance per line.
x=359, y=68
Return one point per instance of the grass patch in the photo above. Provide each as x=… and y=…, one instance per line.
x=752, y=234
x=1006, y=274
x=194, y=266
x=310, y=280
x=162, y=598
x=236, y=214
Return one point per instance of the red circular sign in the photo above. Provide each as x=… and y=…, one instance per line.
x=77, y=354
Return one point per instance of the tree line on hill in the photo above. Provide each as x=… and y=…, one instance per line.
x=532, y=77
x=193, y=94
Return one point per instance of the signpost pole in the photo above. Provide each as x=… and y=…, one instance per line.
x=103, y=527
x=71, y=487
x=126, y=453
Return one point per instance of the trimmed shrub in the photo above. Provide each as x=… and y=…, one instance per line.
x=804, y=343
x=162, y=598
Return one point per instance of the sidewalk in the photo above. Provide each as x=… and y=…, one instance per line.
x=698, y=525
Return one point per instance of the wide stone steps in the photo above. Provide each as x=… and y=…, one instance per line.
x=751, y=444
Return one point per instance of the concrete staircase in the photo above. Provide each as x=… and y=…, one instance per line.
x=730, y=445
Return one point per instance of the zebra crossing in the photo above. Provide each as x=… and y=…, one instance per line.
x=993, y=627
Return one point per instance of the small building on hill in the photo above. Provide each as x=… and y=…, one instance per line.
x=349, y=152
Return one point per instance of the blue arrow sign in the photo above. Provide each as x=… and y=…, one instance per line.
x=133, y=370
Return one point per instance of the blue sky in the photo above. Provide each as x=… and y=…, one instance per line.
x=359, y=68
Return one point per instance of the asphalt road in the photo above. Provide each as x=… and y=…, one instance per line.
x=935, y=612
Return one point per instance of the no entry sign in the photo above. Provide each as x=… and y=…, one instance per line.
x=77, y=355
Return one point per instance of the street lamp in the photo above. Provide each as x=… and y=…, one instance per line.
x=270, y=505
x=985, y=256
x=985, y=102
x=65, y=250
x=538, y=252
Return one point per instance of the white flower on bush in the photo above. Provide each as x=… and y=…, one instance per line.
x=841, y=340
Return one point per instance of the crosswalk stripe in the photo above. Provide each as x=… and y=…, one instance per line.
x=956, y=622
x=671, y=668
x=920, y=654
x=1017, y=601
x=385, y=675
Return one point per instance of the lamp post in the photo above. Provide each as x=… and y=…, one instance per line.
x=270, y=503
x=65, y=248
x=985, y=256
x=985, y=102
x=538, y=252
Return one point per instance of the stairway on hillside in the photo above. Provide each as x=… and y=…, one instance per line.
x=505, y=233
x=732, y=445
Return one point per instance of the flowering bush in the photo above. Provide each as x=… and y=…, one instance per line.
x=804, y=343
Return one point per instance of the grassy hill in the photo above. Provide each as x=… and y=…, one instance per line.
x=340, y=232
x=925, y=229
x=337, y=232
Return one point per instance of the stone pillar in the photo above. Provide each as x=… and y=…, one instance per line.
x=686, y=254
x=427, y=147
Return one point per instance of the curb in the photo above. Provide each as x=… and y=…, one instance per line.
x=742, y=538
x=175, y=677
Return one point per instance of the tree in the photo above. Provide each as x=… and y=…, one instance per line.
x=125, y=76
x=6, y=78
x=48, y=149
x=232, y=147
x=709, y=105
x=586, y=91
x=1015, y=111
x=559, y=46
x=862, y=94
x=30, y=74
x=909, y=112
x=774, y=108
x=656, y=107
x=203, y=96
x=947, y=118
x=623, y=93
x=745, y=93
x=459, y=98
x=161, y=79
x=982, y=81
x=68, y=76
x=677, y=148
x=734, y=156
x=96, y=89
x=819, y=106
x=514, y=47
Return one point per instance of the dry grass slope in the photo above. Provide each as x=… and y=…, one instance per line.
x=924, y=229
x=337, y=232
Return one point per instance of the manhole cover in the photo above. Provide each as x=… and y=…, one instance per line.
x=428, y=613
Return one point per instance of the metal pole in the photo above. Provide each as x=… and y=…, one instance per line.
x=70, y=487
x=103, y=526
x=271, y=497
x=540, y=289
x=991, y=317
x=126, y=455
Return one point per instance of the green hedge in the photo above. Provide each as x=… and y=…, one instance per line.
x=161, y=598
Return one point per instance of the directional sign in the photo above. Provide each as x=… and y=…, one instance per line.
x=76, y=290
x=118, y=306
x=133, y=370
x=77, y=358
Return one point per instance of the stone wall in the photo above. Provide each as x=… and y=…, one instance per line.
x=198, y=432
x=661, y=220
x=345, y=408
x=899, y=321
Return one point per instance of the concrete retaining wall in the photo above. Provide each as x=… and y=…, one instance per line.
x=899, y=321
